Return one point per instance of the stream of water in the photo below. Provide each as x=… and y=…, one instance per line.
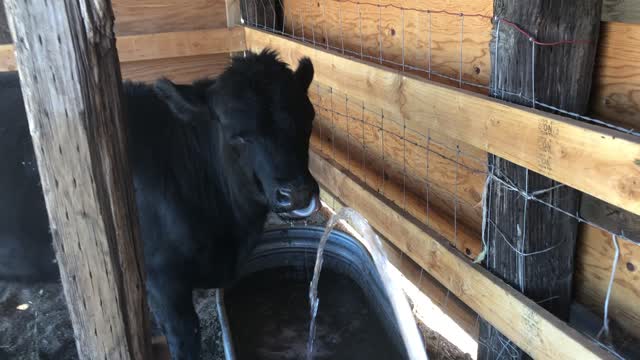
x=409, y=331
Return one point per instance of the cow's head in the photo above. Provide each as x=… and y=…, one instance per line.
x=264, y=121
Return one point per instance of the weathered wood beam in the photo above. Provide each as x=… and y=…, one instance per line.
x=531, y=327
x=621, y=10
x=560, y=75
x=598, y=161
x=72, y=90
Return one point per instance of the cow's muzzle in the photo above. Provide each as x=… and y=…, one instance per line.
x=305, y=212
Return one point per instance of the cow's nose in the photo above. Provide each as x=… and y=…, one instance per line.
x=283, y=197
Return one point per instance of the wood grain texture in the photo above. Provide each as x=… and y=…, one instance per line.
x=621, y=10
x=180, y=44
x=162, y=46
x=72, y=88
x=374, y=32
x=616, y=94
x=158, y=16
x=431, y=186
x=529, y=326
x=434, y=211
x=610, y=217
x=560, y=76
x=597, y=161
x=7, y=58
x=183, y=70
x=594, y=259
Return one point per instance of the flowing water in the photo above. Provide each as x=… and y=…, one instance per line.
x=402, y=311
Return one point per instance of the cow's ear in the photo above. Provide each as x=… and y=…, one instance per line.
x=187, y=102
x=304, y=73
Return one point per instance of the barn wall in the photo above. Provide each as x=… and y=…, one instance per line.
x=135, y=17
x=346, y=25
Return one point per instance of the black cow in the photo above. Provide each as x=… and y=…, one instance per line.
x=210, y=160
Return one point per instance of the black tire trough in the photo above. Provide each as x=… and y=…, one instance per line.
x=267, y=309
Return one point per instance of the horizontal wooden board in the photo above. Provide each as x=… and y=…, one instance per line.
x=162, y=46
x=600, y=162
x=616, y=88
x=157, y=16
x=430, y=41
x=435, y=208
x=594, y=259
x=621, y=10
x=180, y=44
x=181, y=70
x=528, y=325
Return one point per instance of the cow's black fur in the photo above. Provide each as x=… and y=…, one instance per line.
x=210, y=160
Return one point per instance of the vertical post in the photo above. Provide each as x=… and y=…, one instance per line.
x=72, y=90
x=530, y=245
x=233, y=13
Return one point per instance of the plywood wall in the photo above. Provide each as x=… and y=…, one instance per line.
x=135, y=17
x=616, y=94
x=367, y=32
x=153, y=16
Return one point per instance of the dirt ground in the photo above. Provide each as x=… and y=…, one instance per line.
x=35, y=325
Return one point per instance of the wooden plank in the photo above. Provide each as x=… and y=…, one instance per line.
x=7, y=58
x=430, y=40
x=530, y=327
x=609, y=217
x=595, y=255
x=72, y=90
x=182, y=70
x=158, y=16
x=621, y=10
x=600, y=162
x=433, y=210
x=162, y=46
x=179, y=44
x=234, y=13
x=616, y=95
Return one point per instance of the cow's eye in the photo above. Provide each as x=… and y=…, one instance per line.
x=241, y=139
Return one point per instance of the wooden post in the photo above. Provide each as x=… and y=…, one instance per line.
x=555, y=75
x=72, y=90
x=234, y=14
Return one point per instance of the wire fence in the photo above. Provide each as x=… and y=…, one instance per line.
x=443, y=183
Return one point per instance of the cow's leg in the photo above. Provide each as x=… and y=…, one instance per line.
x=172, y=304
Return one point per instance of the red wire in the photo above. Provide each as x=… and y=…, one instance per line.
x=541, y=43
x=509, y=23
